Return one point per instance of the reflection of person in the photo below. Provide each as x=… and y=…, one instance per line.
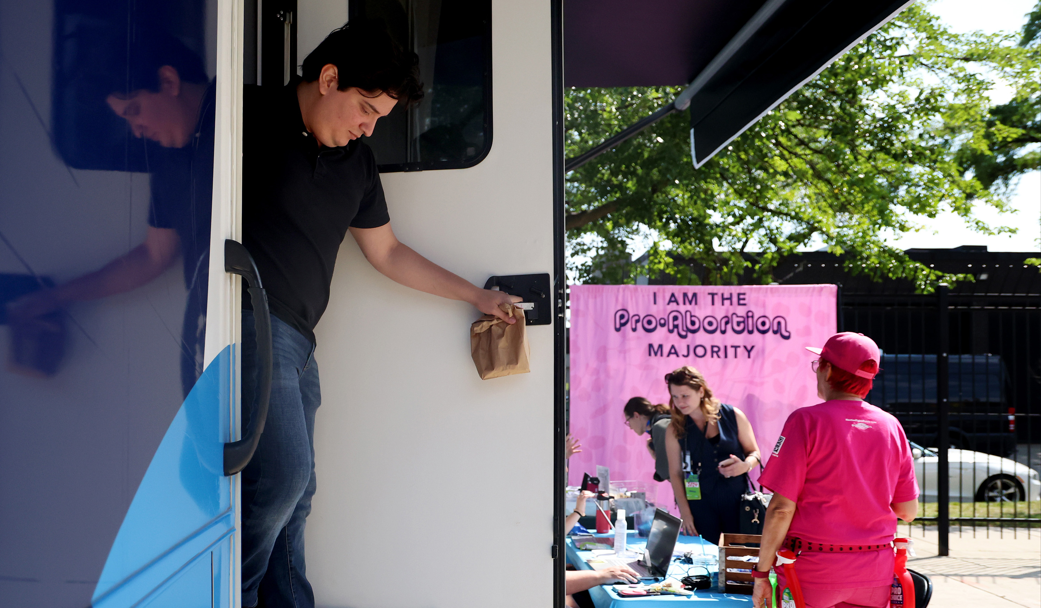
x=711, y=448
x=161, y=90
x=841, y=473
x=642, y=416
x=307, y=180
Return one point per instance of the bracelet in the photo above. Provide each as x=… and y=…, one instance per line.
x=760, y=573
x=576, y=512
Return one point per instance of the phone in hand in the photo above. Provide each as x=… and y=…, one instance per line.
x=729, y=461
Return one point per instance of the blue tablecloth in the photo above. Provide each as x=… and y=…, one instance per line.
x=605, y=596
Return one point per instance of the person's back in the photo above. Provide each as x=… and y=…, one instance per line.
x=659, y=425
x=841, y=473
x=843, y=463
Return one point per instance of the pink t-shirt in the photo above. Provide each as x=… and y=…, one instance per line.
x=843, y=463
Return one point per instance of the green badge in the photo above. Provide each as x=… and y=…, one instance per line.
x=693, y=487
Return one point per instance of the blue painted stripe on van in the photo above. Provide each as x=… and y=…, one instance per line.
x=182, y=494
x=142, y=587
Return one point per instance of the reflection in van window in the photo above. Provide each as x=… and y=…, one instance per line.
x=107, y=115
x=452, y=127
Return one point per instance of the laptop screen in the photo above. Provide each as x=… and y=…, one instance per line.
x=661, y=541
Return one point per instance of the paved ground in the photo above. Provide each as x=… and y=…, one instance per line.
x=999, y=569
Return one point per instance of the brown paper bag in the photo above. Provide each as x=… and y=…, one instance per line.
x=498, y=348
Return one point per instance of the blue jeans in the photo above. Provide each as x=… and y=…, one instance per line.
x=278, y=483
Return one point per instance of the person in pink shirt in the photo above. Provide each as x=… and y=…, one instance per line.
x=841, y=473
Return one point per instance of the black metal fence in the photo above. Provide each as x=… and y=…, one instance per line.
x=962, y=371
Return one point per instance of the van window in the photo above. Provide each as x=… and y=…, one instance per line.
x=452, y=127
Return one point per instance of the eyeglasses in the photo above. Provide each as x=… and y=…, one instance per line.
x=815, y=365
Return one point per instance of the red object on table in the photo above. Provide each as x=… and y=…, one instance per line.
x=603, y=525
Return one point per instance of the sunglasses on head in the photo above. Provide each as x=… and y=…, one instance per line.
x=680, y=377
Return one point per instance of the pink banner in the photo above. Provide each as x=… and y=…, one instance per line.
x=748, y=341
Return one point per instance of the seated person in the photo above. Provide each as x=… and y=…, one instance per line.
x=576, y=581
x=582, y=580
x=580, y=510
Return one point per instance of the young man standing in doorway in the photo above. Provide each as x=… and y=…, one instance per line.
x=308, y=179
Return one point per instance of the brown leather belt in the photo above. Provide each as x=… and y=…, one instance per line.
x=798, y=545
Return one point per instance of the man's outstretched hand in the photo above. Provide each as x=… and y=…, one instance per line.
x=31, y=307
x=492, y=302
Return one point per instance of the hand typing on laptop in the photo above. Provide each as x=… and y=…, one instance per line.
x=657, y=554
x=580, y=580
x=618, y=573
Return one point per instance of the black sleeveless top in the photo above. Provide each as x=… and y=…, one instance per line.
x=708, y=453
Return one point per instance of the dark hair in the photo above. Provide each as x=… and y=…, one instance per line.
x=643, y=407
x=136, y=54
x=845, y=382
x=367, y=57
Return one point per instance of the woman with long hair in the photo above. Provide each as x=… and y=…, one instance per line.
x=642, y=416
x=711, y=448
x=841, y=473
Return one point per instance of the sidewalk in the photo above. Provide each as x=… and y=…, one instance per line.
x=999, y=569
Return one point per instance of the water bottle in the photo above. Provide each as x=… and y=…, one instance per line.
x=620, y=530
x=901, y=594
x=603, y=525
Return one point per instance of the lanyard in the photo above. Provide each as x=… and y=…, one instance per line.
x=690, y=457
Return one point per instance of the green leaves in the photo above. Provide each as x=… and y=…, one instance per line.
x=890, y=135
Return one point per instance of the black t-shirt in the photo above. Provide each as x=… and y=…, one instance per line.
x=298, y=201
x=182, y=193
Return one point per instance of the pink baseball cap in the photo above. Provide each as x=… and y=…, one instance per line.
x=848, y=351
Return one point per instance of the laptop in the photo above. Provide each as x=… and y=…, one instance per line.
x=657, y=555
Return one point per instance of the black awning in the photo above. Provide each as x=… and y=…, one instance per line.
x=742, y=58
x=626, y=43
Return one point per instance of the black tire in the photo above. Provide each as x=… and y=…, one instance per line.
x=1000, y=488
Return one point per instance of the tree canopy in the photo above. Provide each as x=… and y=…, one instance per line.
x=898, y=130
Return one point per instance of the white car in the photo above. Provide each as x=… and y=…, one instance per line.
x=975, y=476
